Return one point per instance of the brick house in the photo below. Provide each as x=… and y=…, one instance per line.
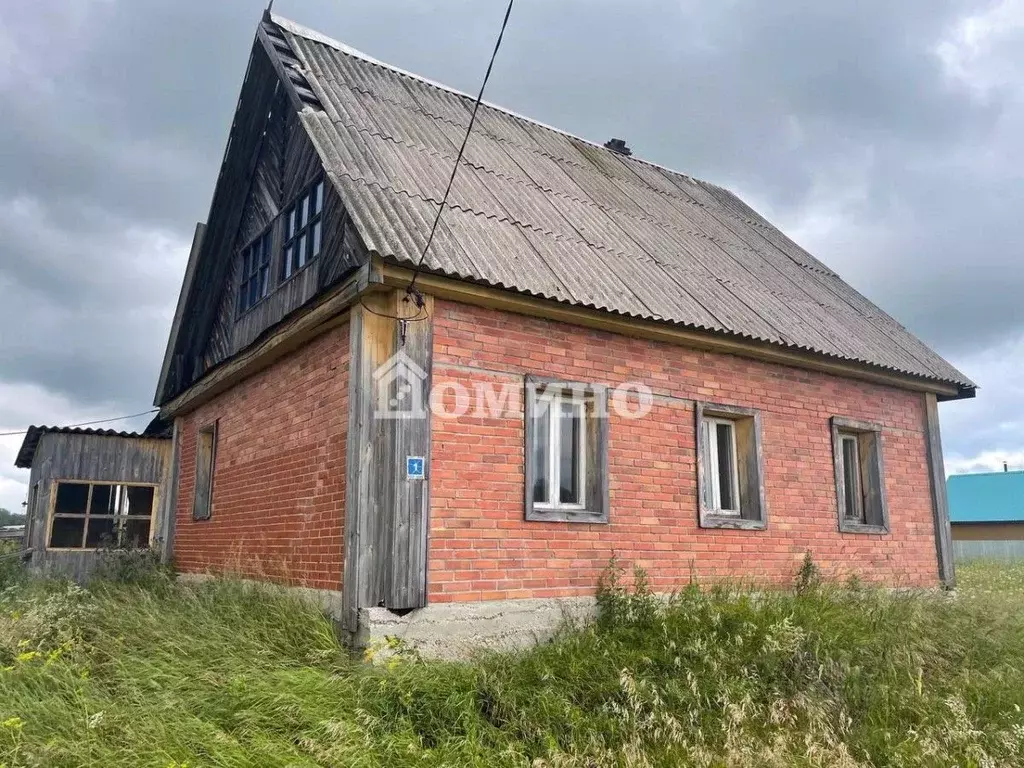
x=599, y=356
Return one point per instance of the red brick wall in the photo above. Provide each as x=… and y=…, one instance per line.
x=279, y=481
x=481, y=548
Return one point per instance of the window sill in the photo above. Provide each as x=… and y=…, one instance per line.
x=562, y=515
x=711, y=520
x=850, y=527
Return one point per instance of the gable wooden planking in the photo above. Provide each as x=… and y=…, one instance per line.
x=288, y=163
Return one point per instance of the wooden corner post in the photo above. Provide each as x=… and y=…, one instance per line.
x=940, y=503
x=388, y=456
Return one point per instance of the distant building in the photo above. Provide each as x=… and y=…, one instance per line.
x=986, y=511
x=90, y=489
x=12, y=532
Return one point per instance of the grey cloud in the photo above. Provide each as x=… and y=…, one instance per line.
x=116, y=114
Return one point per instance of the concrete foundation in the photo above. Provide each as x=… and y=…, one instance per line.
x=457, y=630
x=447, y=630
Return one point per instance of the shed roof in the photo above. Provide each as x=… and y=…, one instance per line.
x=541, y=212
x=986, y=497
x=27, y=451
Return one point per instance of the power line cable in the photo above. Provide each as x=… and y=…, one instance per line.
x=87, y=423
x=411, y=289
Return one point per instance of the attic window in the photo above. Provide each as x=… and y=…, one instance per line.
x=860, y=476
x=255, y=282
x=94, y=515
x=303, y=231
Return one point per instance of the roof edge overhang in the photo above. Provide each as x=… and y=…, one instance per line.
x=300, y=326
x=27, y=451
x=469, y=292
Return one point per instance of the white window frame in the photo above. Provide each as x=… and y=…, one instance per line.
x=712, y=463
x=846, y=437
x=553, y=402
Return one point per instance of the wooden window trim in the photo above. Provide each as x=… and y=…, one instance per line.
x=874, y=445
x=753, y=512
x=211, y=429
x=245, y=279
x=305, y=230
x=52, y=504
x=594, y=464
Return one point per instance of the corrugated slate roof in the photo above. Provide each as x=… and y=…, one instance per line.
x=27, y=451
x=988, y=497
x=541, y=212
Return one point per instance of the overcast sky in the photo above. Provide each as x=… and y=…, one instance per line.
x=886, y=137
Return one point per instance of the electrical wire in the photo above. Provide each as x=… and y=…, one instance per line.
x=411, y=289
x=88, y=423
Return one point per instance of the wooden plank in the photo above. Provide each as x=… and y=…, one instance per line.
x=494, y=298
x=940, y=503
x=409, y=526
x=168, y=522
x=368, y=463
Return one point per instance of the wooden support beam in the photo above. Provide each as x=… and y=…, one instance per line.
x=385, y=512
x=169, y=499
x=940, y=503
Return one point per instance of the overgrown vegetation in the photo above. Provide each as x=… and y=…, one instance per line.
x=228, y=675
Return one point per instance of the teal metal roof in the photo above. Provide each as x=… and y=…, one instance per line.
x=988, y=497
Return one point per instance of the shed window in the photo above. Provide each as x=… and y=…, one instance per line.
x=303, y=230
x=255, y=282
x=94, y=515
x=566, y=452
x=206, y=457
x=729, y=475
x=860, y=477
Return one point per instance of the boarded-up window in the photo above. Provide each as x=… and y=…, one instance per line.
x=860, y=476
x=730, y=485
x=206, y=456
x=95, y=515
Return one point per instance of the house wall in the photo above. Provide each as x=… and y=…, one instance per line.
x=99, y=458
x=279, y=475
x=972, y=541
x=482, y=549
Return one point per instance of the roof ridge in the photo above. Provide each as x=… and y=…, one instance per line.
x=990, y=473
x=318, y=37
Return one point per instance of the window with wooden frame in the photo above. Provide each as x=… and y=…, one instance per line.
x=566, y=452
x=255, y=279
x=730, y=484
x=860, y=476
x=303, y=230
x=206, y=459
x=85, y=515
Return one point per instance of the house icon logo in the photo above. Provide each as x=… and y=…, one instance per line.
x=400, y=386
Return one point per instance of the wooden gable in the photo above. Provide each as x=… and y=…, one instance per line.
x=268, y=163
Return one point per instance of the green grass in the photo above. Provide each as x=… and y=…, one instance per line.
x=228, y=675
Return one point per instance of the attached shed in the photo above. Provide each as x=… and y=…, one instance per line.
x=986, y=512
x=91, y=489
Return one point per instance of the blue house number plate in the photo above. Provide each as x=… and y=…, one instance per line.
x=415, y=467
